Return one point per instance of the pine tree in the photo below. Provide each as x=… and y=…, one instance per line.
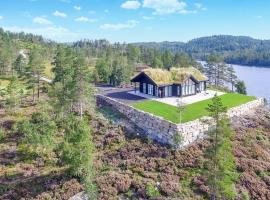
x=82, y=91
x=12, y=94
x=241, y=87
x=36, y=69
x=231, y=77
x=63, y=79
x=19, y=64
x=221, y=169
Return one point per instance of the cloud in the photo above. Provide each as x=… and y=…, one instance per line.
x=106, y=11
x=1, y=17
x=42, y=21
x=66, y=1
x=56, y=33
x=59, y=14
x=259, y=17
x=163, y=7
x=147, y=17
x=199, y=6
x=85, y=19
x=77, y=7
x=131, y=5
x=129, y=24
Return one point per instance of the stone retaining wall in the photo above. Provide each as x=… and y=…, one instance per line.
x=164, y=131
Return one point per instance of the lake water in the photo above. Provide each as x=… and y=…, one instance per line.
x=257, y=80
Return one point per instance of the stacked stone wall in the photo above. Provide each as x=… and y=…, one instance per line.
x=164, y=131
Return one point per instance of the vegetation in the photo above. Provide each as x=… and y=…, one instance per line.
x=241, y=87
x=192, y=111
x=221, y=168
x=234, y=49
x=61, y=145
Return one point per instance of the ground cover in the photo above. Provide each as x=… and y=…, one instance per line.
x=192, y=111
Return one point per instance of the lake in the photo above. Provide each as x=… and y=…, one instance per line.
x=257, y=80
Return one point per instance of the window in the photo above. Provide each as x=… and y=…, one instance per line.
x=150, y=89
x=156, y=91
x=202, y=88
x=144, y=88
x=170, y=91
x=178, y=90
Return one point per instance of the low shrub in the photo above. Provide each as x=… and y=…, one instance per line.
x=152, y=191
x=2, y=134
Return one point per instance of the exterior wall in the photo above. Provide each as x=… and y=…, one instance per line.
x=164, y=131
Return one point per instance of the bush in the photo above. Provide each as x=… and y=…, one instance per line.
x=152, y=191
x=2, y=134
x=77, y=151
x=39, y=136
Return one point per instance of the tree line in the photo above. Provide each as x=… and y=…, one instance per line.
x=234, y=49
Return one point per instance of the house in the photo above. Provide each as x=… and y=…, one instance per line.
x=176, y=82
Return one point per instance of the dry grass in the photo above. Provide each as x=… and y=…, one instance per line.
x=175, y=75
x=184, y=72
x=160, y=76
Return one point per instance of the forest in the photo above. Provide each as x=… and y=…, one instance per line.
x=240, y=50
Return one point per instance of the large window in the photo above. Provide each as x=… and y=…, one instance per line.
x=168, y=91
x=150, y=89
x=178, y=90
x=188, y=88
x=202, y=86
x=144, y=88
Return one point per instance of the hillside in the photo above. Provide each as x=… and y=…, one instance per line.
x=235, y=49
x=129, y=166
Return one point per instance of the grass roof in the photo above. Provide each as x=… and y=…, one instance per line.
x=175, y=75
x=159, y=76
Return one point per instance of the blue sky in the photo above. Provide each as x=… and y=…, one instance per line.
x=136, y=20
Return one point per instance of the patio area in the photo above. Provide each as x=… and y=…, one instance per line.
x=208, y=94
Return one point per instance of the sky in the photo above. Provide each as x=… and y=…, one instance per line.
x=136, y=20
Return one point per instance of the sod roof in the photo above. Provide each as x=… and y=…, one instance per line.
x=175, y=75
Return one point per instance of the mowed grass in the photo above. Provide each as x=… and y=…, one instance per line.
x=191, y=111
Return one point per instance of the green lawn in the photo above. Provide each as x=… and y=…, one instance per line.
x=192, y=111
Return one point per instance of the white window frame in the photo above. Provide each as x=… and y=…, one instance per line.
x=150, y=89
x=144, y=88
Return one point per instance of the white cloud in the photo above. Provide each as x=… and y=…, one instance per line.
x=259, y=17
x=1, y=17
x=129, y=24
x=85, y=19
x=147, y=17
x=187, y=11
x=131, y=5
x=56, y=33
x=163, y=7
x=59, y=14
x=77, y=7
x=198, y=5
x=66, y=1
x=106, y=11
x=42, y=21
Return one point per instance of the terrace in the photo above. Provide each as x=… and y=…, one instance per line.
x=192, y=111
x=195, y=105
